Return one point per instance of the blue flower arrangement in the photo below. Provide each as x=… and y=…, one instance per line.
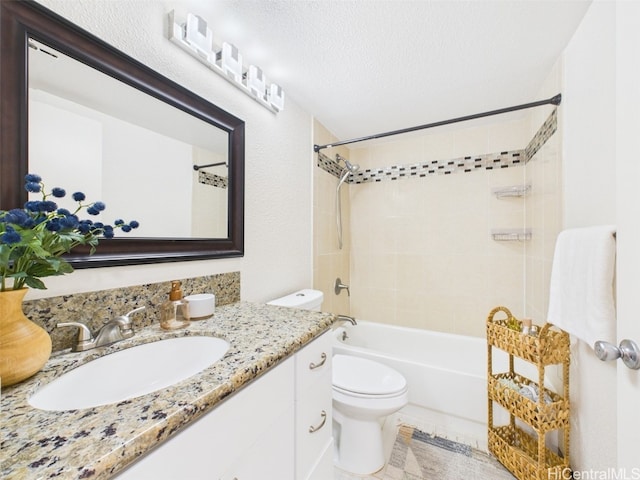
x=33, y=239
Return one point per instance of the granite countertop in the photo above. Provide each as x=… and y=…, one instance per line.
x=96, y=443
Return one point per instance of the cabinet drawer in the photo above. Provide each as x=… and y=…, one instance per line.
x=313, y=361
x=313, y=424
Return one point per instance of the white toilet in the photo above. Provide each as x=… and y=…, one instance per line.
x=306, y=299
x=364, y=393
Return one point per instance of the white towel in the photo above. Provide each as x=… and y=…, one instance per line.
x=581, y=298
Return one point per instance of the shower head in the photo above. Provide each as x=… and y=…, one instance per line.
x=351, y=167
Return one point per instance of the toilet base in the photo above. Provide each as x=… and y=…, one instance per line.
x=360, y=449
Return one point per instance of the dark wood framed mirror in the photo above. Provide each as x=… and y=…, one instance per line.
x=23, y=21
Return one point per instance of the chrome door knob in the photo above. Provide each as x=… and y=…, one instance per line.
x=606, y=351
x=630, y=354
x=628, y=351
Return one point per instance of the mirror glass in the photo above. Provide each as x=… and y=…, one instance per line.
x=92, y=133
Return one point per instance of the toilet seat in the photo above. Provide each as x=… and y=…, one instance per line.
x=369, y=395
x=360, y=377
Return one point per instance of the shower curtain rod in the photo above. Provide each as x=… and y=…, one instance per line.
x=553, y=101
x=198, y=167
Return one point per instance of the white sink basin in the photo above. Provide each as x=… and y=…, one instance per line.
x=130, y=373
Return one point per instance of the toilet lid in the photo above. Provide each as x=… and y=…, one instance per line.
x=360, y=375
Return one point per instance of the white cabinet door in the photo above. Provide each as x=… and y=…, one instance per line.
x=271, y=457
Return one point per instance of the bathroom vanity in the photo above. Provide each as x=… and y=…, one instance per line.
x=262, y=411
x=278, y=427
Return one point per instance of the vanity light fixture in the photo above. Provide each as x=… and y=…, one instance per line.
x=256, y=81
x=231, y=61
x=199, y=36
x=276, y=96
x=191, y=33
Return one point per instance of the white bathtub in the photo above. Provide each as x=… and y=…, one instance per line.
x=446, y=375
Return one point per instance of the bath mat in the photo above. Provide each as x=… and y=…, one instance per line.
x=420, y=456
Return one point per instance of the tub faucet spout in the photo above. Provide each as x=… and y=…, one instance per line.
x=347, y=318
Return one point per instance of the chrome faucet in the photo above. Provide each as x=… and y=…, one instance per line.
x=113, y=331
x=347, y=318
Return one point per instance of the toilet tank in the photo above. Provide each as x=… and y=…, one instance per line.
x=306, y=299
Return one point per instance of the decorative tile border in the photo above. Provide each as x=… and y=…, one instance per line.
x=441, y=167
x=489, y=161
x=329, y=165
x=94, y=308
x=212, y=179
x=543, y=134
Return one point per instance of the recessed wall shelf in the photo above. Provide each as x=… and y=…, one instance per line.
x=511, y=234
x=512, y=191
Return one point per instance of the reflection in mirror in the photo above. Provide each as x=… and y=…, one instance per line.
x=90, y=132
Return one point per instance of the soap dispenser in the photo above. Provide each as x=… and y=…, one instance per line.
x=174, y=313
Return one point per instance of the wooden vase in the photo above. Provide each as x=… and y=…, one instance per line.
x=24, y=346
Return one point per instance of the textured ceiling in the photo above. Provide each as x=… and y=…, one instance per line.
x=365, y=67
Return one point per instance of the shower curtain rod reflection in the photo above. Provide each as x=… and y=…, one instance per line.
x=551, y=101
x=198, y=167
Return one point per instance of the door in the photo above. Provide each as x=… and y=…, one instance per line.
x=628, y=213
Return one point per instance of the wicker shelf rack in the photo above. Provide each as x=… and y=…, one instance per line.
x=526, y=454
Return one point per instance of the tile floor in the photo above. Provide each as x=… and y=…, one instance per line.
x=420, y=456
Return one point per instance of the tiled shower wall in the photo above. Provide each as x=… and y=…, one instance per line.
x=543, y=205
x=329, y=262
x=422, y=251
x=422, y=254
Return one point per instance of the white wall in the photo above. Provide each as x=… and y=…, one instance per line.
x=64, y=137
x=278, y=224
x=126, y=150
x=589, y=186
x=589, y=120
